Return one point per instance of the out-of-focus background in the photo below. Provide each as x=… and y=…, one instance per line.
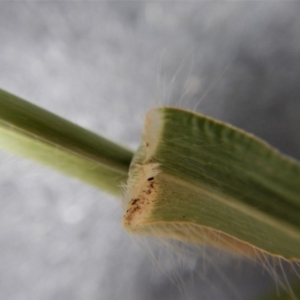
x=102, y=65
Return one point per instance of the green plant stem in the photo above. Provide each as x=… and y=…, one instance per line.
x=36, y=133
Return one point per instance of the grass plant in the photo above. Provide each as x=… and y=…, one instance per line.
x=193, y=178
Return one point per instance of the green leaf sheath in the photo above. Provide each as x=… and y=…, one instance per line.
x=36, y=133
x=213, y=183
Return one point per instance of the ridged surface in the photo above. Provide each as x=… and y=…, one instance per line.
x=221, y=178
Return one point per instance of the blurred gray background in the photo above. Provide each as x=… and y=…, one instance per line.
x=102, y=65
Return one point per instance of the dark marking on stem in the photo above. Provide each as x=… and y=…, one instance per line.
x=134, y=201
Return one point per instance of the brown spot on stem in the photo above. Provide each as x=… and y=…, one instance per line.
x=134, y=201
x=142, y=191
